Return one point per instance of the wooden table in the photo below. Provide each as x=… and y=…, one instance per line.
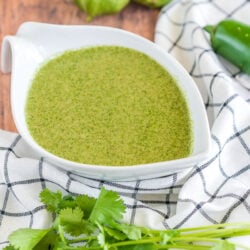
x=135, y=18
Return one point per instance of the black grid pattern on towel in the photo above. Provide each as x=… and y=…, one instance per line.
x=229, y=113
x=215, y=191
x=24, y=177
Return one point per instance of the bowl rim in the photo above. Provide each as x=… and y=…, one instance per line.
x=64, y=163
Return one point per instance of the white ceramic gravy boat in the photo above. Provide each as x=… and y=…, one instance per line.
x=23, y=53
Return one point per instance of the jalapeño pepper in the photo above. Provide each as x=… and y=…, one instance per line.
x=231, y=39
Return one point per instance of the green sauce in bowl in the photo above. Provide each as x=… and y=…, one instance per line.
x=108, y=105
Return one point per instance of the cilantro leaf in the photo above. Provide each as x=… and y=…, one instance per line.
x=116, y=234
x=69, y=215
x=48, y=241
x=86, y=204
x=73, y=223
x=62, y=246
x=51, y=199
x=26, y=238
x=133, y=232
x=67, y=201
x=167, y=236
x=108, y=209
x=9, y=247
x=147, y=246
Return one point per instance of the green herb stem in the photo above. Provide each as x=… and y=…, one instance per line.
x=82, y=239
x=184, y=246
x=196, y=239
x=216, y=226
x=225, y=233
x=133, y=242
x=61, y=234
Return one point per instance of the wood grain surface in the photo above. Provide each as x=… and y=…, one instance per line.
x=135, y=18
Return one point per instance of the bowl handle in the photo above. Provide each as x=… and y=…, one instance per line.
x=6, y=59
x=17, y=50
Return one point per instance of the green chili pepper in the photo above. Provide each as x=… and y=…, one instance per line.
x=153, y=3
x=231, y=39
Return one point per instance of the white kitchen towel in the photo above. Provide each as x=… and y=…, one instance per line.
x=214, y=191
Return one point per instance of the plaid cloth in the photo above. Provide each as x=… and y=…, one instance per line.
x=214, y=191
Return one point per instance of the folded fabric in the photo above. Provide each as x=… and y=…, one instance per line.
x=218, y=189
x=214, y=191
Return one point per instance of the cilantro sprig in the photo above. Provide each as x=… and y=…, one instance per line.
x=82, y=222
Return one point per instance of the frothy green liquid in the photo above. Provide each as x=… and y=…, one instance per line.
x=108, y=105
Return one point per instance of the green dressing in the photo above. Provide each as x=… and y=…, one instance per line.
x=108, y=105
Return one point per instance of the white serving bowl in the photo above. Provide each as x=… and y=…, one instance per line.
x=34, y=43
